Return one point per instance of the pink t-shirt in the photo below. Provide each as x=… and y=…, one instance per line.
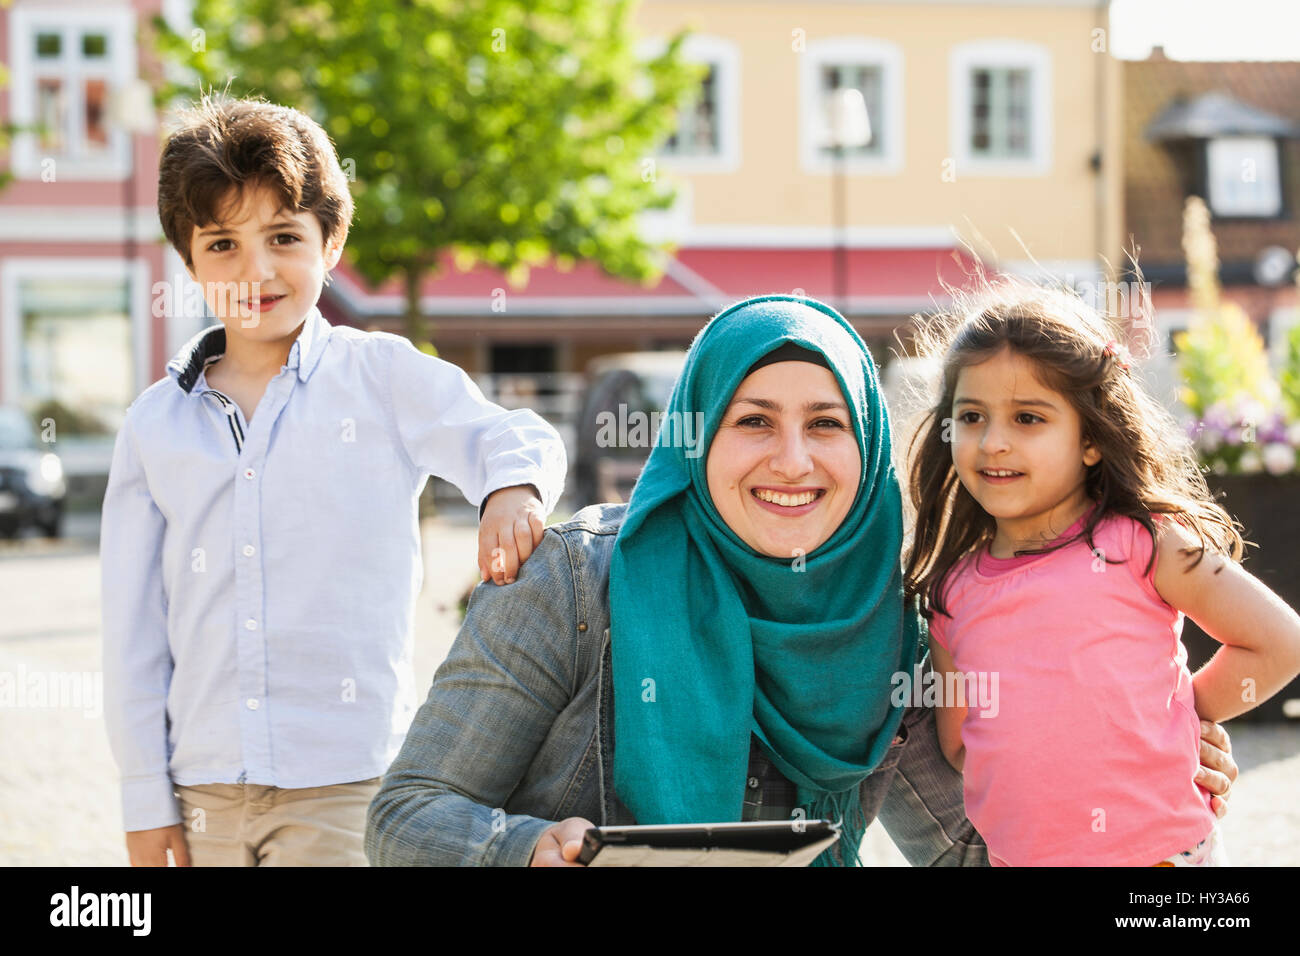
x=1081, y=733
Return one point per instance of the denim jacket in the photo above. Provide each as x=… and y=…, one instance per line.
x=517, y=732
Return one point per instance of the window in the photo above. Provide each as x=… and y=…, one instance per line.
x=1000, y=113
x=866, y=80
x=708, y=126
x=1001, y=119
x=65, y=68
x=76, y=348
x=73, y=335
x=697, y=127
x=1242, y=177
x=875, y=69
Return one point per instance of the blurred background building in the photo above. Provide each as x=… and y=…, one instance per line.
x=1003, y=134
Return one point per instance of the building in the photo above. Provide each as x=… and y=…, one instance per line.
x=996, y=138
x=1228, y=132
x=84, y=323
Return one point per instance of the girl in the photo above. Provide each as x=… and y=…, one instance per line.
x=1063, y=530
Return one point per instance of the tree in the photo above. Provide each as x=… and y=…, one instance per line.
x=512, y=132
x=6, y=129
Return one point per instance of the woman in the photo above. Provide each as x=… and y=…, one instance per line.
x=722, y=648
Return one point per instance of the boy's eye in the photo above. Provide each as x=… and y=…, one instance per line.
x=290, y=237
x=219, y=246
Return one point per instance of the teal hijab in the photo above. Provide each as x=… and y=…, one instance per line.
x=712, y=642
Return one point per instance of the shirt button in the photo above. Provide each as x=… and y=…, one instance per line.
x=753, y=783
x=251, y=703
x=249, y=550
x=250, y=624
x=249, y=473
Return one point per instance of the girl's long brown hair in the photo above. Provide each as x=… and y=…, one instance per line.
x=1147, y=463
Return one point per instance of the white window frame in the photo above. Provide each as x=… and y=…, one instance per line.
x=120, y=68
x=724, y=56
x=1000, y=55
x=1222, y=154
x=851, y=51
x=15, y=269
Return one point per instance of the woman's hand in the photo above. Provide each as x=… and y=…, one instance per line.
x=1218, y=769
x=561, y=844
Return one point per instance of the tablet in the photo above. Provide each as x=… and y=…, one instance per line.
x=762, y=843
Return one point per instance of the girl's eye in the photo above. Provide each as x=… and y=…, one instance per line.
x=218, y=246
x=1027, y=418
x=968, y=418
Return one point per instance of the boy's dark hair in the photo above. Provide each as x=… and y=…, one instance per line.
x=1147, y=464
x=222, y=143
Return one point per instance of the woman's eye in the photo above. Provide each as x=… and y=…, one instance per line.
x=828, y=423
x=751, y=421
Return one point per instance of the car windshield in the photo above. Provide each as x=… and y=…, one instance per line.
x=15, y=429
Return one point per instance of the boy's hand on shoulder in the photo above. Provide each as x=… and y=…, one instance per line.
x=512, y=526
x=149, y=847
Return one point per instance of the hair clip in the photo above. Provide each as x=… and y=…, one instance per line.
x=1118, y=353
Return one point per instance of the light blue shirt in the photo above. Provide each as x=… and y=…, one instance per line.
x=260, y=577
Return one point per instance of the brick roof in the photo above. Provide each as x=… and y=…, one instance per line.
x=1153, y=187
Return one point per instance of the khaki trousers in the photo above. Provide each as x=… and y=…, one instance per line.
x=237, y=824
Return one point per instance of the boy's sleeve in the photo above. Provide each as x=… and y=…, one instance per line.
x=137, y=656
x=449, y=429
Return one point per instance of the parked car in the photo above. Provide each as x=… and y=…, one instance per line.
x=32, y=488
x=625, y=393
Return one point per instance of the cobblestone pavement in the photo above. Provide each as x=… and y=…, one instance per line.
x=59, y=801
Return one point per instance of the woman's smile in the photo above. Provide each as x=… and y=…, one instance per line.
x=788, y=501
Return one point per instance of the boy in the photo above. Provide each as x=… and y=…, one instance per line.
x=260, y=541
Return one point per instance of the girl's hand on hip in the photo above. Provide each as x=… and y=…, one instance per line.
x=1218, y=769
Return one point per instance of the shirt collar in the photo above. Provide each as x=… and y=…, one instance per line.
x=210, y=344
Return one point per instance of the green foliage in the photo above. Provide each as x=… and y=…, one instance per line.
x=512, y=132
x=1221, y=357
x=6, y=129
x=1291, y=374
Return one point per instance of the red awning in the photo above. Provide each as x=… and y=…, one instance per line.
x=697, y=280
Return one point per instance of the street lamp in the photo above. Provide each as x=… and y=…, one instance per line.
x=850, y=128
